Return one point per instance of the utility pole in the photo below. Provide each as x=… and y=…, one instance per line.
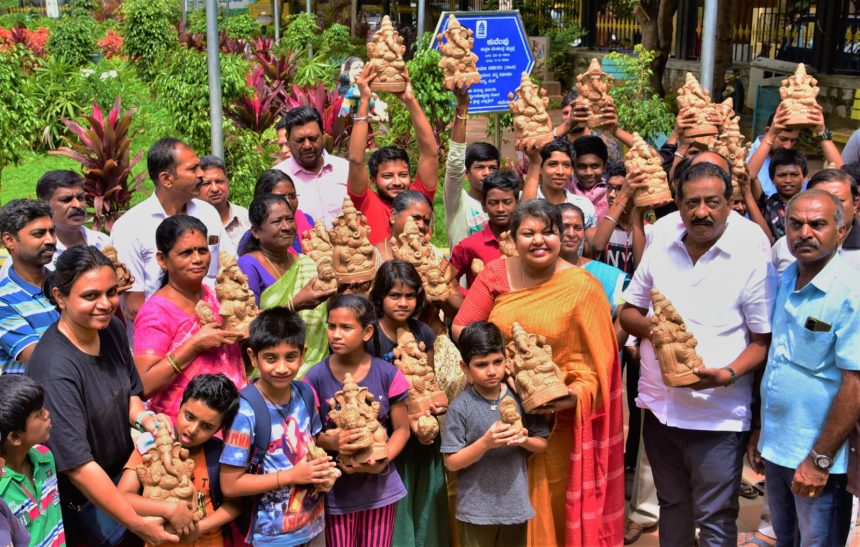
x=709, y=45
x=216, y=131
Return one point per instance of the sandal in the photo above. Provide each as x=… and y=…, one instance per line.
x=747, y=490
x=755, y=539
x=633, y=531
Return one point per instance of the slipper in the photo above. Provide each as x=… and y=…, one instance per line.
x=633, y=531
x=755, y=539
x=747, y=490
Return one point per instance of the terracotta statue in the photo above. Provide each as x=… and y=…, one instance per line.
x=691, y=95
x=167, y=471
x=532, y=124
x=436, y=274
x=507, y=245
x=354, y=407
x=798, y=93
x=238, y=307
x=674, y=345
x=732, y=145
x=428, y=427
x=511, y=415
x=410, y=357
x=642, y=158
x=317, y=245
x=204, y=313
x=353, y=254
x=123, y=276
x=315, y=452
x=593, y=86
x=449, y=373
x=539, y=380
x=385, y=51
x=458, y=62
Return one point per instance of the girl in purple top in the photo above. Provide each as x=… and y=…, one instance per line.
x=266, y=255
x=360, y=508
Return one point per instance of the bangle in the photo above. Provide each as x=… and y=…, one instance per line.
x=459, y=117
x=612, y=218
x=679, y=155
x=733, y=377
x=171, y=359
x=359, y=118
x=767, y=142
x=137, y=422
x=291, y=307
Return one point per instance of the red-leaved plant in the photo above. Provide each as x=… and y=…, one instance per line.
x=103, y=152
x=258, y=110
x=111, y=44
x=279, y=70
x=34, y=40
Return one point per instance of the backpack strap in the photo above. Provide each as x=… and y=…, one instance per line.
x=262, y=427
x=212, y=451
x=306, y=393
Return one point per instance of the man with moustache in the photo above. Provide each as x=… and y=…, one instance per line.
x=63, y=190
x=811, y=384
x=25, y=313
x=215, y=191
x=176, y=174
x=724, y=289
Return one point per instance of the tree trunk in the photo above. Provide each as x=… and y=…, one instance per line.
x=724, y=39
x=655, y=19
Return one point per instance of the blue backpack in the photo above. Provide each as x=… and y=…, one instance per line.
x=262, y=435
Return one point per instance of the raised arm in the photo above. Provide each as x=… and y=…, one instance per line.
x=756, y=162
x=455, y=167
x=752, y=206
x=530, y=188
x=358, y=179
x=831, y=153
x=428, y=150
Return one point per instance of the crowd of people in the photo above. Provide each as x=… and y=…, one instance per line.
x=93, y=368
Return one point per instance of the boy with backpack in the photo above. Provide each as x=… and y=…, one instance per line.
x=266, y=450
x=208, y=402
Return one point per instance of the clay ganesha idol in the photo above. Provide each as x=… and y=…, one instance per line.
x=458, y=63
x=437, y=276
x=642, y=158
x=532, y=124
x=798, y=93
x=410, y=357
x=385, y=51
x=674, y=345
x=167, y=472
x=355, y=407
x=539, y=380
x=238, y=307
x=123, y=275
x=593, y=87
x=318, y=246
x=511, y=415
x=353, y=257
x=691, y=95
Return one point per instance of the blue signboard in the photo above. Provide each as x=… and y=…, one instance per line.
x=503, y=54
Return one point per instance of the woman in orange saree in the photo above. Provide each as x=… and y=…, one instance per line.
x=577, y=485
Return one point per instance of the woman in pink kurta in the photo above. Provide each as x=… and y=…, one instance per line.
x=170, y=345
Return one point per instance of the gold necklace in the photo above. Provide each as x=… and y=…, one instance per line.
x=277, y=270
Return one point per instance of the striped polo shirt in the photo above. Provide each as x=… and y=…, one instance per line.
x=38, y=511
x=25, y=314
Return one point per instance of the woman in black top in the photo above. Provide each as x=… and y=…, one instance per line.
x=92, y=390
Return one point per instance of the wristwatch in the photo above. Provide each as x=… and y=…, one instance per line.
x=826, y=135
x=820, y=460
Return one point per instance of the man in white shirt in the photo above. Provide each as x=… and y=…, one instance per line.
x=724, y=289
x=320, y=178
x=175, y=172
x=63, y=190
x=215, y=191
x=464, y=214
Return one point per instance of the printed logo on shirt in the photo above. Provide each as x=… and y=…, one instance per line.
x=239, y=439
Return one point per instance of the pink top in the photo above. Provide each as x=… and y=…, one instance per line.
x=598, y=195
x=160, y=327
x=320, y=194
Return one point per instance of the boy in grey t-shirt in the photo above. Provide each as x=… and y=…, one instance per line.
x=489, y=457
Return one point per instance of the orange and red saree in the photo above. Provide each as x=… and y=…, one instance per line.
x=577, y=485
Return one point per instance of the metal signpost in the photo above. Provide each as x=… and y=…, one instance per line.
x=503, y=51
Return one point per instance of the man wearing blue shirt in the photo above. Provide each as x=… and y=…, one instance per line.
x=28, y=233
x=811, y=386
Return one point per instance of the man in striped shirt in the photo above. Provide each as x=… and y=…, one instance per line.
x=27, y=232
